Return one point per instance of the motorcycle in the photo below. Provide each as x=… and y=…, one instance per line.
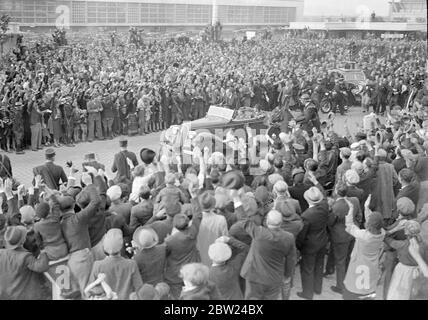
x=327, y=102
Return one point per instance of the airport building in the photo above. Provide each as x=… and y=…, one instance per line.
x=146, y=13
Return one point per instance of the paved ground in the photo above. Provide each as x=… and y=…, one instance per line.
x=105, y=150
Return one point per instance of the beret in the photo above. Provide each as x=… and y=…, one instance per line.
x=147, y=155
x=405, y=206
x=113, y=241
x=233, y=180
x=219, y=252
x=114, y=192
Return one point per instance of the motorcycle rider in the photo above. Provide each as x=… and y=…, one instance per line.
x=318, y=92
x=339, y=91
x=310, y=113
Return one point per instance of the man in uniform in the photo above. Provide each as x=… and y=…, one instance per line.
x=311, y=114
x=18, y=127
x=94, y=118
x=51, y=173
x=123, y=162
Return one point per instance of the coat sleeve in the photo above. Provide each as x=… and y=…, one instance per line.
x=290, y=262
x=242, y=250
x=40, y=264
x=302, y=234
x=114, y=166
x=85, y=214
x=137, y=282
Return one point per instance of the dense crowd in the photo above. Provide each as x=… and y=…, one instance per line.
x=217, y=227
x=98, y=88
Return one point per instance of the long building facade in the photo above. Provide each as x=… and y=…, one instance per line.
x=98, y=13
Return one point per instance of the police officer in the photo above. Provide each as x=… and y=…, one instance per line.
x=18, y=126
x=310, y=112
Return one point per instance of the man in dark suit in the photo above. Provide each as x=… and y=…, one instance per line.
x=271, y=260
x=409, y=187
x=122, y=161
x=312, y=242
x=51, y=173
x=341, y=241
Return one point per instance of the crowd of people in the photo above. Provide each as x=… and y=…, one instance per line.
x=216, y=227
x=97, y=88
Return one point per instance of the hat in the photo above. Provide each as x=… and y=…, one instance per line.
x=49, y=153
x=66, y=203
x=114, y=193
x=298, y=147
x=233, y=180
x=15, y=236
x=274, y=218
x=313, y=195
x=381, y=153
x=300, y=118
x=207, y=200
x=412, y=227
x=360, y=136
x=219, y=252
x=73, y=191
x=249, y=206
x=113, y=241
x=123, y=142
x=261, y=194
x=285, y=207
x=264, y=165
x=27, y=214
x=146, y=292
x=351, y=176
x=405, y=206
x=274, y=178
x=280, y=187
x=147, y=155
x=305, y=96
x=42, y=210
x=89, y=157
x=145, y=238
x=346, y=152
x=180, y=221
x=297, y=171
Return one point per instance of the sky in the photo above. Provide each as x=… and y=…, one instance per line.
x=345, y=7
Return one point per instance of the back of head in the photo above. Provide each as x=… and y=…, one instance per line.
x=170, y=178
x=195, y=273
x=274, y=219
x=406, y=175
x=374, y=222
x=342, y=190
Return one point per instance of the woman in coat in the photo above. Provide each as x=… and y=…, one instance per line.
x=363, y=271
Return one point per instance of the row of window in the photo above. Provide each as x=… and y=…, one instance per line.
x=46, y=11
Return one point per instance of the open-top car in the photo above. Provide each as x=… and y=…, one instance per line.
x=215, y=129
